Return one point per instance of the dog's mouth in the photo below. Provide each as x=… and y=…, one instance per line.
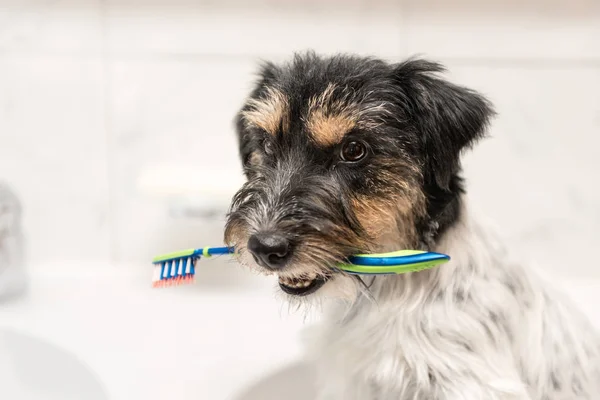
x=301, y=286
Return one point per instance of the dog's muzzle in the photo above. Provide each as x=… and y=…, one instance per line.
x=293, y=222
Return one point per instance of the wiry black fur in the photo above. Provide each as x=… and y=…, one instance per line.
x=426, y=122
x=447, y=119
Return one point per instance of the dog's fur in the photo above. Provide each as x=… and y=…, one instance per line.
x=479, y=327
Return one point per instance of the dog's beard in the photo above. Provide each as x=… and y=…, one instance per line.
x=312, y=262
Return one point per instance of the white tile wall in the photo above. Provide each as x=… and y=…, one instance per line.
x=92, y=92
x=504, y=30
x=53, y=152
x=250, y=28
x=63, y=26
x=170, y=112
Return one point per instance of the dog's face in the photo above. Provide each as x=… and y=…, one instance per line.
x=347, y=155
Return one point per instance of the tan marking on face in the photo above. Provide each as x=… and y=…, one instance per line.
x=255, y=158
x=329, y=120
x=328, y=130
x=388, y=227
x=268, y=113
x=389, y=218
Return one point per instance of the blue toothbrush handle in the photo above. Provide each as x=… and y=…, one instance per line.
x=214, y=251
x=399, y=260
x=220, y=250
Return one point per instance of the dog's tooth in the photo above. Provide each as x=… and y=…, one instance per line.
x=298, y=282
x=291, y=282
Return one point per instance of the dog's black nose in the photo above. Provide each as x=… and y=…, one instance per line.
x=269, y=250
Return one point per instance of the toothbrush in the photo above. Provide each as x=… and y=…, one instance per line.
x=180, y=267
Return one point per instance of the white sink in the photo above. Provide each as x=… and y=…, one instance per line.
x=34, y=369
x=105, y=329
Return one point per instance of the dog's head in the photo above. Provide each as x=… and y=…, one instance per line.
x=347, y=155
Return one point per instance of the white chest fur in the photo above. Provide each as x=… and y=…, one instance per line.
x=479, y=327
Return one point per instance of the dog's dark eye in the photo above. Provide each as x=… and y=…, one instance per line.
x=268, y=147
x=353, y=151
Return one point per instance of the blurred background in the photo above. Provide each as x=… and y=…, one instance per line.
x=116, y=137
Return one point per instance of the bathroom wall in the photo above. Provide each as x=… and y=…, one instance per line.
x=94, y=93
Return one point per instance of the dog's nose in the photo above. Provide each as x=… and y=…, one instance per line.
x=269, y=250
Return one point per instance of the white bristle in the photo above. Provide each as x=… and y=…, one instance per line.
x=188, y=266
x=173, y=269
x=180, y=267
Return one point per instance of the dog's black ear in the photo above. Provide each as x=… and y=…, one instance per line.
x=447, y=117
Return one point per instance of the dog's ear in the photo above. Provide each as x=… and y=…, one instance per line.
x=447, y=117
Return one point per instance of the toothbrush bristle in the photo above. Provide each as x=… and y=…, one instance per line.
x=174, y=272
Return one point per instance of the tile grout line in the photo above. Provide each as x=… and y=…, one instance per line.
x=484, y=62
x=108, y=128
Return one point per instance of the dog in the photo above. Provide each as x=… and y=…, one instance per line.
x=347, y=155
